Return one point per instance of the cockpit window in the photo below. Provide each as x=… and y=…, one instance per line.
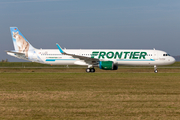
x=166, y=54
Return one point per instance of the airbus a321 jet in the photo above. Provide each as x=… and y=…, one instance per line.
x=106, y=59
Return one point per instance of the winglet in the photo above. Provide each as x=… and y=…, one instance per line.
x=60, y=49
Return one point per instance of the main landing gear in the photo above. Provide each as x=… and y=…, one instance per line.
x=88, y=70
x=155, y=69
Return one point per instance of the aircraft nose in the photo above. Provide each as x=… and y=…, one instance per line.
x=172, y=60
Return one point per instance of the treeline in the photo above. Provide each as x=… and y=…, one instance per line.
x=6, y=60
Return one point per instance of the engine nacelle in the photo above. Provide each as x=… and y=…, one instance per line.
x=108, y=65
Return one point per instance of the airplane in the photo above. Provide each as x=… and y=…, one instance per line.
x=106, y=59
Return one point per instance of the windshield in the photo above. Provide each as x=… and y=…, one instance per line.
x=166, y=54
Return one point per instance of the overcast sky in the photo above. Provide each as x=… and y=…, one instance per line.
x=80, y=24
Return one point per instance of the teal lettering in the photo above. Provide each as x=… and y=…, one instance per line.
x=110, y=55
x=135, y=54
x=131, y=55
x=102, y=54
x=142, y=55
x=94, y=54
x=126, y=53
x=117, y=54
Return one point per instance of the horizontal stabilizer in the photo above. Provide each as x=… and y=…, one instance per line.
x=15, y=52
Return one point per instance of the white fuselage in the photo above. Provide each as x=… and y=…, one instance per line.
x=120, y=57
x=106, y=59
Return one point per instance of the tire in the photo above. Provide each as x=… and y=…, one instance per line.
x=156, y=71
x=88, y=70
x=92, y=70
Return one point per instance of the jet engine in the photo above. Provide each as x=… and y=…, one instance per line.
x=108, y=65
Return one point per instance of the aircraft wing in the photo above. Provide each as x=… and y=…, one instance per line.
x=86, y=59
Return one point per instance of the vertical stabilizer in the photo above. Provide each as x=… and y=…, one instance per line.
x=21, y=44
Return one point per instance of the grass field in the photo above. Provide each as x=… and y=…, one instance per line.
x=34, y=65
x=35, y=94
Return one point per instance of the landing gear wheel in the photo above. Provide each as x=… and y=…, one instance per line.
x=156, y=71
x=88, y=70
x=92, y=70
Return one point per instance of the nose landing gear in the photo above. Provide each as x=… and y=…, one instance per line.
x=155, y=69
